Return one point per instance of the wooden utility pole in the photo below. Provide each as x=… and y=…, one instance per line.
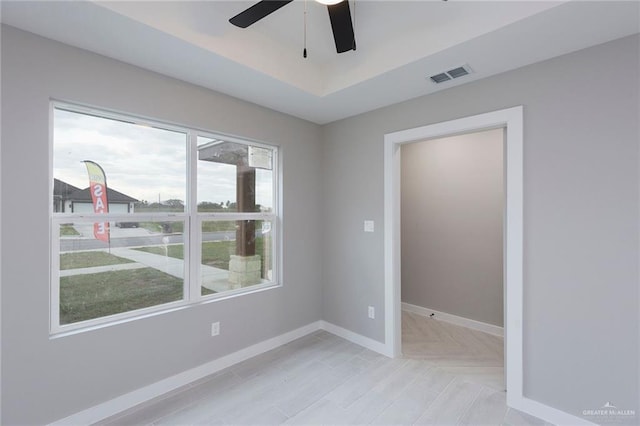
x=246, y=202
x=237, y=155
x=245, y=266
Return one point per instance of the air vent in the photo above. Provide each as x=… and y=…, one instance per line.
x=439, y=78
x=458, y=72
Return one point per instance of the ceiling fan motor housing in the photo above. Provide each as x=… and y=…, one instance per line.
x=339, y=15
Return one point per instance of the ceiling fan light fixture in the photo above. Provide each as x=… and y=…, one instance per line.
x=329, y=2
x=339, y=16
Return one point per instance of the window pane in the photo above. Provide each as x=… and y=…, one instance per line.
x=132, y=258
x=136, y=268
x=236, y=254
x=144, y=167
x=234, y=177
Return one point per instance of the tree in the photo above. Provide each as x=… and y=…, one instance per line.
x=207, y=206
x=174, y=203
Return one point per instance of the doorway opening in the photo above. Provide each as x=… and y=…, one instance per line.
x=512, y=121
x=452, y=203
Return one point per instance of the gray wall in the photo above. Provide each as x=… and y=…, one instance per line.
x=581, y=226
x=580, y=217
x=43, y=379
x=451, y=216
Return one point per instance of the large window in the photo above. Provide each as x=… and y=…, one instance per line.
x=148, y=216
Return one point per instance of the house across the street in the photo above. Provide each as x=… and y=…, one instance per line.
x=61, y=192
x=70, y=199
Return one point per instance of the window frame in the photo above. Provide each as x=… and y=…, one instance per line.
x=192, y=235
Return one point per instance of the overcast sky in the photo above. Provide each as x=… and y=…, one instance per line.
x=142, y=162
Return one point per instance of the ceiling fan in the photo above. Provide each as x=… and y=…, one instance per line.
x=339, y=14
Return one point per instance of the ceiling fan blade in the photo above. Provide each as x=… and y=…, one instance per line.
x=257, y=12
x=340, y=17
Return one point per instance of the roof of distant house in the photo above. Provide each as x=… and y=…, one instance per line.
x=112, y=195
x=63, y=189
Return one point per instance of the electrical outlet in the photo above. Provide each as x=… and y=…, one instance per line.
x=215, y=328
x=368, y=226
x=372, y=312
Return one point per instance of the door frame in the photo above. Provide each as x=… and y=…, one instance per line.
x=511, y=120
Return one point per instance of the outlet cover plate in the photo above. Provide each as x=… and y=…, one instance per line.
x=215, y=328
x=369, y=226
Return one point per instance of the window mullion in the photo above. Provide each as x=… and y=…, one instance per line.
x=276, y=242
x=54, y=322
x=192, y=255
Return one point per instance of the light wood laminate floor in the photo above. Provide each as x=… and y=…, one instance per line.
x=449, y=375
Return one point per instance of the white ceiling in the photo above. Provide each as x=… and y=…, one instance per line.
x=400, y=44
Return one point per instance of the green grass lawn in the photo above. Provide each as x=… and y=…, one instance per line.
x=214, y=226
x=68, y=230
x=83, y=297
x=88, y=296
x=207, y=226
x=174, y=250
x=218, y=253
x=171, y=227
x=86, y=259
x=214, y=253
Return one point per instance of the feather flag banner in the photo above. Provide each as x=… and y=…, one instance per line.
x=98, y=189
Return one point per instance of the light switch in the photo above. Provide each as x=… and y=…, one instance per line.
x=368, y=226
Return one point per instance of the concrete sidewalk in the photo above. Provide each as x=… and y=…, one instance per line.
x=99, y=269
x=214, y=279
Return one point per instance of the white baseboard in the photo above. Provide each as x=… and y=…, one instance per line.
x=139, y=396
x=147, y=393
x=454, y=319
x=549, y=414
x=356, y=338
